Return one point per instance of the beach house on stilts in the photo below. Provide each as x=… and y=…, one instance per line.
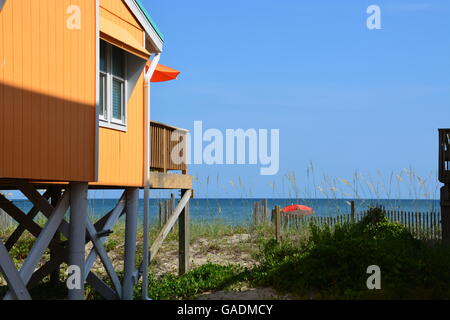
x=75, y=115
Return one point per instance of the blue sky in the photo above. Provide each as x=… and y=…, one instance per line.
x=345, y=98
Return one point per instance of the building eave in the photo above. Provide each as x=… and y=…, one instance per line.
x=155, y=36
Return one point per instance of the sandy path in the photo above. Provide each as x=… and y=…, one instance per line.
x=235, y=249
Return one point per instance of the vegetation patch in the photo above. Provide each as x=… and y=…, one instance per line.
x=333, y=263
x=318, y=263
x=205, y=278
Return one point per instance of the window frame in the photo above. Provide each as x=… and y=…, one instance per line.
x=122, y=111
x=108, y=120
x=103, y=83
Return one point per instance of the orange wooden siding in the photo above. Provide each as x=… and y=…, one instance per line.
x=47, y=91
x=121, y=154
x=117, y=12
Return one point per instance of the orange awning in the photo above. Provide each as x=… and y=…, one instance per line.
x=163, y=73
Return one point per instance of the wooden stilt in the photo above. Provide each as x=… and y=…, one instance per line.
x=131, y=209
x=445, y=211
x=77, y=234
x=277, y=224
x=55, y=275
x=184, y=238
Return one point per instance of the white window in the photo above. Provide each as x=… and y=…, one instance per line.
x=112, y=84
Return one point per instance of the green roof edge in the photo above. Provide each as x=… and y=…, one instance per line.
x=149, y=18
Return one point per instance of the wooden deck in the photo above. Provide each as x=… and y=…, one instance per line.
x=166, y=140
x=170, y=181
x=158, y=180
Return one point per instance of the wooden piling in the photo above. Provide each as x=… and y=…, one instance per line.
x=184, y=237
x=277, y=223
x=352, y=211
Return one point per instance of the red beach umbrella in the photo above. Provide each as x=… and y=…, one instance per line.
x=298, y=210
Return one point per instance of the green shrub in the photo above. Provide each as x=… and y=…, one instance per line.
x=202, y=279
x=333, y=263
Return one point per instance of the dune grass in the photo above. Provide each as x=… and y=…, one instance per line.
x=321, y=263
x=413, y=268
x=331, y=264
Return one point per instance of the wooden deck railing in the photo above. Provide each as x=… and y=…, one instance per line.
x=165, y=140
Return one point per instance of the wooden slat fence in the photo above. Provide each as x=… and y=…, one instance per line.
x=166, y=208
x=423, y=225
x=260, y=213
x=6, y=221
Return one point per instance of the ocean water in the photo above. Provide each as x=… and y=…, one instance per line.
x=239, y=211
